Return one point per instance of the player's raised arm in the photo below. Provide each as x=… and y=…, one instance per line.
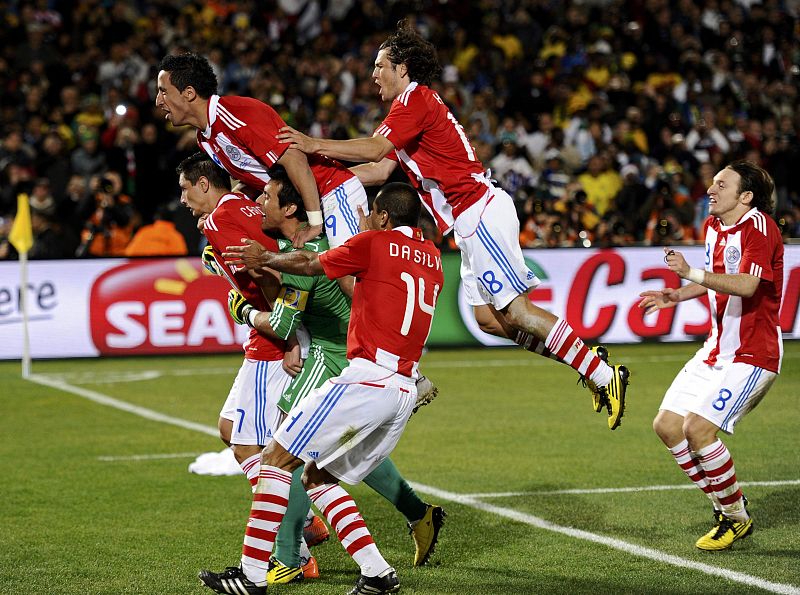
x=374, y=174
x=372, y=149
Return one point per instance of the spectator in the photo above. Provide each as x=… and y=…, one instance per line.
x=160, y=238
x=107, y=231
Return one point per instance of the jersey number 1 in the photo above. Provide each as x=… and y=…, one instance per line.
x=413, y=298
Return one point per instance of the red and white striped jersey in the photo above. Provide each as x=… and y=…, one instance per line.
x=240, y=138
x=434, y=151
x=399, y=277
x=236, y=217
x=746, y=329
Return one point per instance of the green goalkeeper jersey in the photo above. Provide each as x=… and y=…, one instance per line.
x=316, y=301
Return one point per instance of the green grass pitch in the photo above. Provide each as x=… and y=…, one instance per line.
x=510, y=448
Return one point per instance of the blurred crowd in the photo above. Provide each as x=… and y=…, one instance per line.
x=605, y=119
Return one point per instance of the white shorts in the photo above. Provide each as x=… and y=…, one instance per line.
x=339, y=209
x=351, y=423
x=493, y=270
x=722, y=394
x=252, y=403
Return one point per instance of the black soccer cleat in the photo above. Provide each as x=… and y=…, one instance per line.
x=376, y=585
x=232, y=581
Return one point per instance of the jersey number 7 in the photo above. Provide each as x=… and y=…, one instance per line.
x=414, y=299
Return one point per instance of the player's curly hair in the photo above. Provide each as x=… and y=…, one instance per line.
x=190, y=70
x=755, y=179
x=406, y=46
x=401, y=202
x=199, y=165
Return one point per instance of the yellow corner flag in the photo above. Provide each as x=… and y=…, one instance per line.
x=21, y=236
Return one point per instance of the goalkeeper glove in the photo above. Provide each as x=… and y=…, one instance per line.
x=239, y=308
x=210, y=262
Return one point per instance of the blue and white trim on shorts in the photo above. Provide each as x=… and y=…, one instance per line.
x=261, y=402
x=743, y=398
x=316, y=420
x=348, y=215
x=497, y=254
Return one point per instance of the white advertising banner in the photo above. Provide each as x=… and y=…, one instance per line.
x=89, y=308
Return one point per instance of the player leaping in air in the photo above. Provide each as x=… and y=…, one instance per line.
x=422, y=135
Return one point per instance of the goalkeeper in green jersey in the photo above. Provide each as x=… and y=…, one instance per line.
x=320, y=306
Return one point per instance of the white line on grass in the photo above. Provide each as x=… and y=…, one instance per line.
x=661, y=488
x=174, y=455
x=465, y=500
x=624, y=546
x=151, y=374
x=124, y=406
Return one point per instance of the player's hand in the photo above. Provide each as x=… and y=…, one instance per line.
x=362, y=219
x=292, y=362
x=676, y=262
x=658, y=300
x=296, y=140
x=249, y=254
x=304, y=234
x=201, y=223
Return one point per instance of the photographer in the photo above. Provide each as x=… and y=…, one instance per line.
x=108, y=229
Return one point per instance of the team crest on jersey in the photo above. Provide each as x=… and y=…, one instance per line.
x=732, y=255
x=233, y=153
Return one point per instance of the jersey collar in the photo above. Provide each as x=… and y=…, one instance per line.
x=751, y=213
x=415, y=233
x=212, y=114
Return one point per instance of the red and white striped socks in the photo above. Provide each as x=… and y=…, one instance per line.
x=568, y=347
x=716, y=461
x=268, y=509
x=251, y=466
x=343, y=516
x=691, y=466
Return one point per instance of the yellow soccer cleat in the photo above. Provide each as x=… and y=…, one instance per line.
x=280, y=574
x=614, y=395
x=598, y=397
x=425, y=533
x=723, y=536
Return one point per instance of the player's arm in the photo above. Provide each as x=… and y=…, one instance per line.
x=296, y=165
x=374, y=174
x=254, y=257
x=739, y=284
x=282, y=323
x=373, y=148
x=669, y=297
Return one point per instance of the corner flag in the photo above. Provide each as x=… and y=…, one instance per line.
x=21, y=235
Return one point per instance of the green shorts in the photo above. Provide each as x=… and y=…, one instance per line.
x=319, y=367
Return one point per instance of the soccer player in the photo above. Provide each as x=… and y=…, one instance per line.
x=238, y=133
x=731, y=373
x=423, y=136
x=319, y=304
x=250, y=414
x=344, y=429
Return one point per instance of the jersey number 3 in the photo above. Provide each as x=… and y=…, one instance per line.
x=415, y=296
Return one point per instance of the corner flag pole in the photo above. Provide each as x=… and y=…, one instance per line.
x=21, y=237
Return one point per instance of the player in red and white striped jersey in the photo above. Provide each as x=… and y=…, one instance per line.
x=238, y=133
x=430, y=145
x=347, y=427
x=731, y=373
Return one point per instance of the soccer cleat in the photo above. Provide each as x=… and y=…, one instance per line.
x=614, y=394
x=315, y=532
x=426, y=533
x=724, y=534
x=280, y=574
x=375, y=585
x=310, y=567
x=232, y=580
x=598, y=397
x=426, y=392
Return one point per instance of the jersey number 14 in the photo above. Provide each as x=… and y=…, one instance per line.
x=415, y=298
